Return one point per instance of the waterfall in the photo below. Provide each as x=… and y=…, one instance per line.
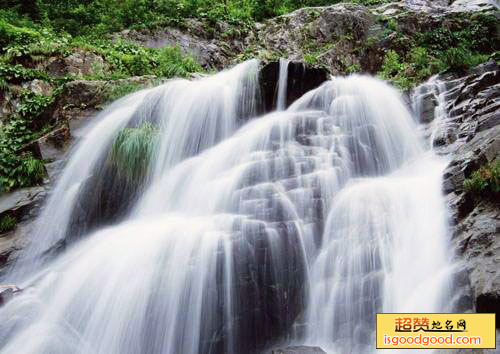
x=232, y=230
x=282, y=85
x=190, y=116
x=429, y=106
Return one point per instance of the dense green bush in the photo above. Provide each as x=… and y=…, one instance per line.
x=103, y=16
x=12, y=34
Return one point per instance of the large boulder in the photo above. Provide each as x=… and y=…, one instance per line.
x=331, y=33
x=212, y=49
x=78, y=63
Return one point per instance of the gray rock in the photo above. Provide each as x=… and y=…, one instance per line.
x=429, y=103
x=212, y=50
x=330, y=32
x=79, y=63
x=299, y=350
x=20, y=199
x=473, y=108
x=474, y=5
x=478, y=238
x=39, y=87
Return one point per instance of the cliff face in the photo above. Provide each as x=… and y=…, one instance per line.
x=473, y=141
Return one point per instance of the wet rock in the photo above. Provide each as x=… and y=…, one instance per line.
x=299, y=350
x=14, y=242
x=7, y=292
x=478, y=241
x=473, y=110
x=54, y=144
x=429, y=103
x=22, y=201
x=301, y=79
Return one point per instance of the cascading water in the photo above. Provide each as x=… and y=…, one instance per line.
x=190, y=116
x=282, y=85
x=327, y=212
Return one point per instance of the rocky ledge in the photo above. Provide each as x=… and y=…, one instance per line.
x=470, y=134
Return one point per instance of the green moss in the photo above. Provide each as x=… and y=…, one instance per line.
x=311, y=59
x=7, y=223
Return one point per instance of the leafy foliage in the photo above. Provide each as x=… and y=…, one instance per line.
x=132, y=150
x=18, y=165
x=94, y=16
x=19, y=170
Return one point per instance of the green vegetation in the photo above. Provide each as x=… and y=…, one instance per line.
x=28, y=39
x=132, y=150
x=34, y=33
x=122, y=90
x=18, y=165
x=98, y=17
x=485, y=182
x=464, y=41
x=7, y=223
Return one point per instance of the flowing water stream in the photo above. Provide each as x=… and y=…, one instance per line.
x=227, y=230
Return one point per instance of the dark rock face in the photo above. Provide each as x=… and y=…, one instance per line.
x=301, y=79
x=269, y=277
x=473, y=106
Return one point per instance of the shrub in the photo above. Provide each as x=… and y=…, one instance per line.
x=485, y=181
x=7, y=223
x=19, y=170
x=172, y=62
x=132, y=150
x=18, y=167
x=460, y=59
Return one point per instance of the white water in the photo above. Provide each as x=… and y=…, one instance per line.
x=191, y=115
x=282, y=85
x=335, y=199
